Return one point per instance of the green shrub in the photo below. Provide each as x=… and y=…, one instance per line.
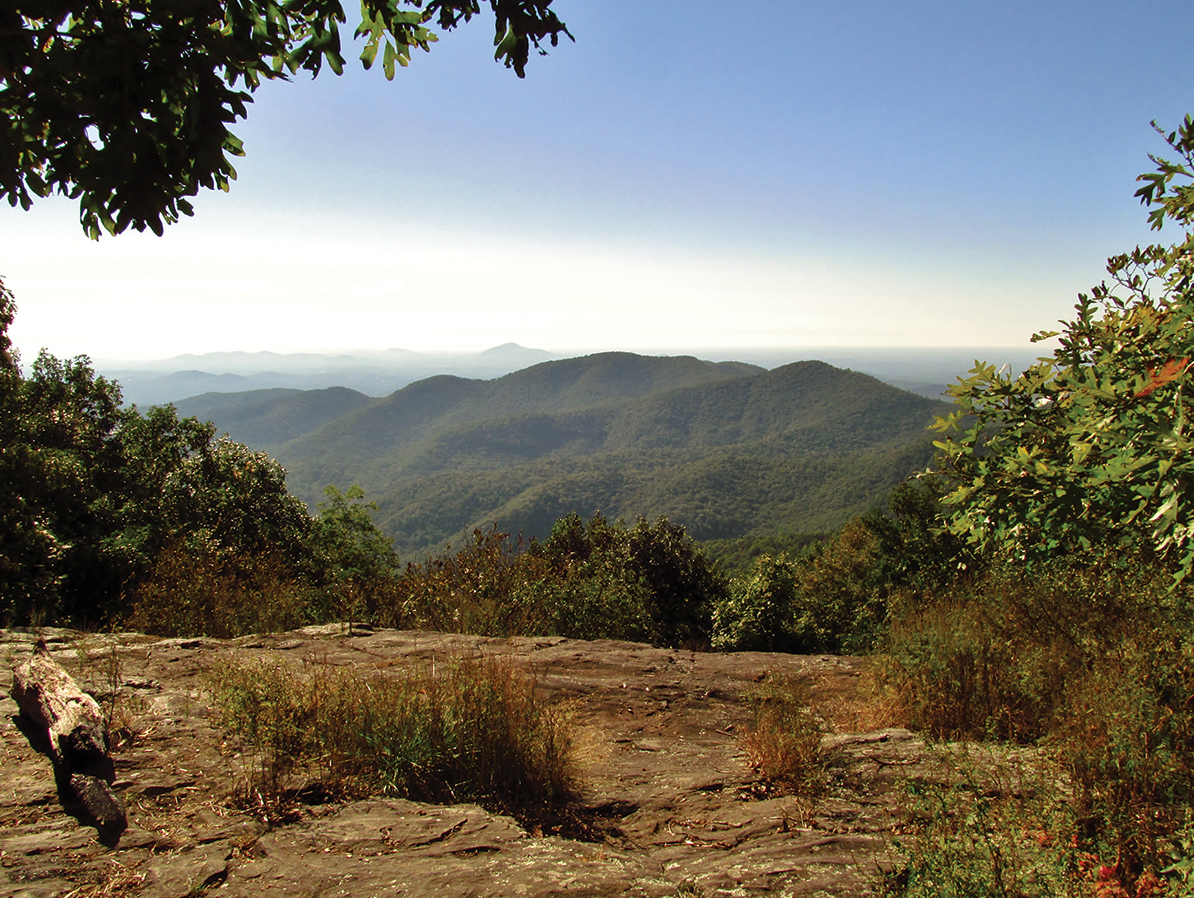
x=756, y=616
x=840, y=597
x=353, y=561
x=589, y=604
x=683, y=585
x=211, y=582
x=649, y=581
x=835, y=595
x=653, y=571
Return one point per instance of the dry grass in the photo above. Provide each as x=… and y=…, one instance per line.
x=116, y=881
x=195, y=593
x=454, y=731
x=869, y=703
x=784, y=740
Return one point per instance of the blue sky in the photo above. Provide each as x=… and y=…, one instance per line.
x=687, y=175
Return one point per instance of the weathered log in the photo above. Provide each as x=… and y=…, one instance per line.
x=75, y=729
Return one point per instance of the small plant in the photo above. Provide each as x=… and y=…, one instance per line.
x=97, y=663
x=455, y=731
x=271, y=713
x=784, y=740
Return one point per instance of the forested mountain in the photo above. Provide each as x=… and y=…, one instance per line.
x=265, y=418
x=725, y=449
x=435, y=403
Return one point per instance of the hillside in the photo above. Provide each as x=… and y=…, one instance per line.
x=430, y=407
x=727, y=449
x=264, y=418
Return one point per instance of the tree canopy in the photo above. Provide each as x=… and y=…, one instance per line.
x=1092, y=447
x=104, y=507
x=126, y=106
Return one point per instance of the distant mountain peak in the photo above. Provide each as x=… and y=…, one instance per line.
x=515, y=349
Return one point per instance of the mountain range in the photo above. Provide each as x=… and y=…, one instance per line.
x=375, y=373
x=924, y=370
x=726, y=448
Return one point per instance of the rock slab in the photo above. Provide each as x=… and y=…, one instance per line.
x=675, y=806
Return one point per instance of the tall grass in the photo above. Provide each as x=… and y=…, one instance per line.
x=462, y=730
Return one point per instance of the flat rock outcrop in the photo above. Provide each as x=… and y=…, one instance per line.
x=669, y=802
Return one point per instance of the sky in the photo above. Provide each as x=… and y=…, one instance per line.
x=687, y=175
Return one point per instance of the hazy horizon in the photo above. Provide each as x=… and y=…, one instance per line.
x=768, y=357
x=922, y=370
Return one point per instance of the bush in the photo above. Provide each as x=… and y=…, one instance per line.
x=197, y=589
x=683, y=585
x=840, y=600
x=1091, y=658
x=485, y=587
x=654, y=580
x=756, y=616
x=593, y=605
x=835, y=596
x=597, y=580
x=353, y=561
x=845, y=587
x=998, y=831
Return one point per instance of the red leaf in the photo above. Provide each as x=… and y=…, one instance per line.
x=1171, y=370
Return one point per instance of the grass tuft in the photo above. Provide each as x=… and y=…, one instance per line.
x=784, y=740
x=464, y=730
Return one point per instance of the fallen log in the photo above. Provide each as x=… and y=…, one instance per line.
x=77, y=734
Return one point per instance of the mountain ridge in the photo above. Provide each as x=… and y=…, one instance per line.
x=726, y=449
